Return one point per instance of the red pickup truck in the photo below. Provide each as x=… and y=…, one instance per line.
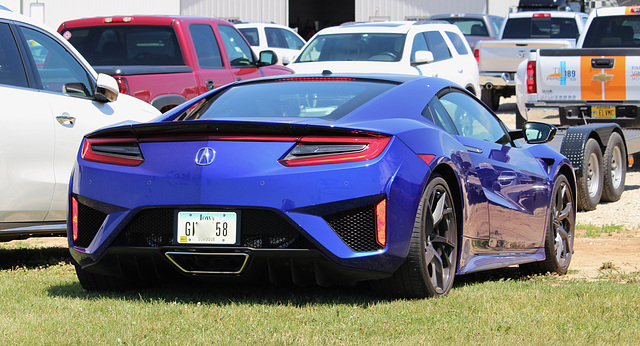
x=166, y=60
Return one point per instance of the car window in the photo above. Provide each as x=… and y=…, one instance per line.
x=275, y=38
x=437, y=45
x=473, y=120
x=293, y=41
x=125, y=45
x=11, y=69
x=497, y=23
x=419, y=43
x=354, y=47
x=613, y=31
x=58, y=70
x=470, y=26
x=237, y=48
x=458, y=42
x=541, y=27
x=251, y=34
x=435, y=112
x=206, y=45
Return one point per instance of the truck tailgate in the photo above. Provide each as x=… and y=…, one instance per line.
x=506, y=55
x=588, y=74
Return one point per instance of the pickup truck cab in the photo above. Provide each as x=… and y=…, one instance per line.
x=166, y=60
x=520, y=33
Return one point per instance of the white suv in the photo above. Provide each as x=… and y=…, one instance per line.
x=269, y=36
x=416, y=48
x=50, y=98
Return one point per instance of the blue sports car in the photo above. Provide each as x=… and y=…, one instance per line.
x=401, y=181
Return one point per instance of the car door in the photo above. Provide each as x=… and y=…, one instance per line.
x=26, y=140
x=212, y=71
x=241, y=59
x=513, y=181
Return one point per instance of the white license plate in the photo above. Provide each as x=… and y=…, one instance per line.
x=606, y=112
x=204, y=227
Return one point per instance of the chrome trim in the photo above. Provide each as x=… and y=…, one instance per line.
x=496, y=79
x=168, y=253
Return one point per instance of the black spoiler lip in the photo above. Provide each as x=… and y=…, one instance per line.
x=213, y=127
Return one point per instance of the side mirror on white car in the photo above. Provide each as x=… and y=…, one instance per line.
x=106, y=88
x=422, y=57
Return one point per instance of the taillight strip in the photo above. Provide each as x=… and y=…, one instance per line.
x=89, y=154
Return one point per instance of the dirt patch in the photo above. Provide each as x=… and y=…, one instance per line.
x=621, y=250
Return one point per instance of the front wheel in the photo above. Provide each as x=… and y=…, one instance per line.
x=430, y=266
x=615, y=168
x=558, y=242
x=590, y=180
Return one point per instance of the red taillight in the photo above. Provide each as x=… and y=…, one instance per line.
x=476, y=54
x=115, y=151
x=544, y=15
x=323, y=150
x=381, y=222
x=118, y=19
x=531, y=78
x=74, y=218
x=123, y=85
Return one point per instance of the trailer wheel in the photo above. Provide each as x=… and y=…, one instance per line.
x=590, y=181
x=491, y=98
x=615, y=168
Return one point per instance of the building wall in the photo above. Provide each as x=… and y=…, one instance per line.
x=256, y=10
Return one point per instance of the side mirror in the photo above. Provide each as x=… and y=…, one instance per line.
x=76, y=89
x=422, y=57
x=106, y=88
x=538, y=133
x=268, y=57
x=286, y=60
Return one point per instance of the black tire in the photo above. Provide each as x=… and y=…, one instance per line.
x=590, y=180
x=491, y=98
x=430, y=266
x=520, y=120
x=99, y=282
x=615, y=168
x=558, y=241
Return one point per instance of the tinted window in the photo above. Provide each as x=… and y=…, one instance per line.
x=298, y=99
x=57, y=68
x=469, y=26
x=472, y=120
x=613, y=31
x=251, y=34
x=275, y=38
x=354, y=47
x=127, y=45
x=419, y=43
x=11, y=68
x=541, y=27
x=293, y=41
x=458, y=43
x=206, y=45
x=237, y=48
x=437, y=45
x=439, y=116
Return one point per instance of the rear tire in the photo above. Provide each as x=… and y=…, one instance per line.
x=430, y=266
x=590, y=181
x=615, y=168
x=491, y=98
x=558, y=241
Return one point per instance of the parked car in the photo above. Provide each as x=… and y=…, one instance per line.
x=166, y=60
x=402, y=180
x=270, y=36
x=474, y=26
x=50, y=97
x=425, y=49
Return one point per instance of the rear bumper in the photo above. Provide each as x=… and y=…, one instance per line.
x=497, y=79
x=572, y=113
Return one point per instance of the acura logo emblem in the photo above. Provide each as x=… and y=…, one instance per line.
x=205, y=156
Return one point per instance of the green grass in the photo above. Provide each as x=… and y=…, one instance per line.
x=593, y=231
x=43, y=303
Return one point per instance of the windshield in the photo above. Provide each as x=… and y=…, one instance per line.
x=289, y=98
x=127, y=45
x=354, y=47
x=613, y=31
x=541, y=27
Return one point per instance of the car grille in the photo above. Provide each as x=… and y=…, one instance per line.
x=356, y=227
x=263, y=229
x=89, y=222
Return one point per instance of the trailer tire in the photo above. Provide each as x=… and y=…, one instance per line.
x=590, y=181
x=615, y=168
x=491, y=98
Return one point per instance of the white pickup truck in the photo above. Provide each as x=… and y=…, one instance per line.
x=593, y=90
x=520, y=33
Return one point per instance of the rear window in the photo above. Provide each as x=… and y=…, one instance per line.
x=541, y=27
x=470, y=26
x=613, y=31
x=127, y=45
x=251, y=34
x=354, y=47
x=329, y=99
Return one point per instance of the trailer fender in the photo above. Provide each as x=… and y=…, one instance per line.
x=576, y=138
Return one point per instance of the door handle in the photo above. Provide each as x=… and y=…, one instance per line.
x=210, y=85
x=66, y=120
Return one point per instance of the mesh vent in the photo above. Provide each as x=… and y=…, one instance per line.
x=356, y=227
x=258, y=229
x=89, y=222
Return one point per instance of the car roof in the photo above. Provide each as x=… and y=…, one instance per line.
x=556, y=14
x=136, y=20
x=400, y=27
x=463, y=15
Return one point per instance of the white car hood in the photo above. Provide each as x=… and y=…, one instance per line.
x=352, y=67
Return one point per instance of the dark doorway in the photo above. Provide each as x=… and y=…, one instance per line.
x=310, y=16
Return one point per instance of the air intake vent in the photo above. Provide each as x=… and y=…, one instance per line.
x=89, y=222
x=356, y=227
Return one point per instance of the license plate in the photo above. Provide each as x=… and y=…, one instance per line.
x=204, y=227
x=603, y=112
